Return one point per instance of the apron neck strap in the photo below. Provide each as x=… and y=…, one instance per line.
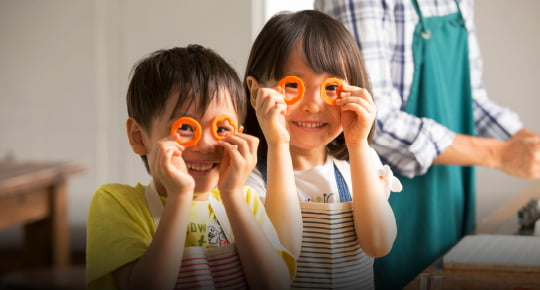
x=426, y=33
x=155, y=206
x=343, y=179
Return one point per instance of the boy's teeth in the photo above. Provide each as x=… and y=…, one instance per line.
x=310, y=125
x=199, y=167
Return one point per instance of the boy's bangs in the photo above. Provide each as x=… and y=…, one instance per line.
x=202, y=94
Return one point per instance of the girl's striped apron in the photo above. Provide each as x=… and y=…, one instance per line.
x=331, y=256
x=209, y=268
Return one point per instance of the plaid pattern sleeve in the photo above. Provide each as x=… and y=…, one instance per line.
x=384, y=30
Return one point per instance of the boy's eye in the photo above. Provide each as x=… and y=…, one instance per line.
x=224, y=131
x=223, y=126
x=186, y=129
x=291, y=85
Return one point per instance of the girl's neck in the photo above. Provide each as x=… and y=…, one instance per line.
x=304, y=159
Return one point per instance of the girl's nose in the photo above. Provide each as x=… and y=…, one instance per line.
x=312, y=101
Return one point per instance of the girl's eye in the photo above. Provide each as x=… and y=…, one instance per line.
x=291, y=90
x=331, y=88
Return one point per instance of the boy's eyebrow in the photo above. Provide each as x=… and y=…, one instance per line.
x=175, y=116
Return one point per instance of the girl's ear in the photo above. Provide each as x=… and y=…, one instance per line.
x=252, y=85
x=135, y=136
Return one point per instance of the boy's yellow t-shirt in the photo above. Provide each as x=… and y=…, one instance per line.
x=203, y=228
x=120, y=229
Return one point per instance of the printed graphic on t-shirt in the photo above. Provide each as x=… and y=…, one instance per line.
x=205, y=235
x=216, y=236
x=322, y=198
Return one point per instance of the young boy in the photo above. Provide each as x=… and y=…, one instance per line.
x=196, y=224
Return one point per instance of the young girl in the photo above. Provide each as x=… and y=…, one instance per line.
x=326, y=133
x=196, y=225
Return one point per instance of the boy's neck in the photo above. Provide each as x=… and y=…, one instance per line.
x=201, y=196
x=197, y=196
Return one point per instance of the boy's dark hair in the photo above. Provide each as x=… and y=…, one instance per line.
x=328, y=47
x=197, y=74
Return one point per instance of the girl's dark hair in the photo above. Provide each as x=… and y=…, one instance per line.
x=197, y=74
x=328, y=47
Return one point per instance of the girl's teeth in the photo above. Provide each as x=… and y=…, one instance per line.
x=310, y=125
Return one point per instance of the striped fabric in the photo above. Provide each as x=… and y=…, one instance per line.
x=211, y=268
x=331, y=257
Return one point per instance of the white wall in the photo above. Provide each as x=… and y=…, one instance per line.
x=508, y=32
x=64, y=69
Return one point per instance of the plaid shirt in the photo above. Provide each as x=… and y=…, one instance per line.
x=384, y=32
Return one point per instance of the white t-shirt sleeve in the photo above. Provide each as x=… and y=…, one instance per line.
x=256, y=182
x=391, y=183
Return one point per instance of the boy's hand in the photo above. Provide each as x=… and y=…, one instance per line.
x=271, y=109
x=168, y=168
x=239, y=160
x=358, y=113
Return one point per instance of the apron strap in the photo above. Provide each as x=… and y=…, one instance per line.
x=426, y=32
x=343, y=179
x=156, y=210
x=154, y=203
x=221, y=216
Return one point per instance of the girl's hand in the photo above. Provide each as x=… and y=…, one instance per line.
x=239, y=160
x=168, y=168
x=271, y=108
x=358, y=113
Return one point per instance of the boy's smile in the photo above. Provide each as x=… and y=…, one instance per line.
x=202, y=159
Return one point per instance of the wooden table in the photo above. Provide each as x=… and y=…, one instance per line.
x=502, y=221
x=34, y=194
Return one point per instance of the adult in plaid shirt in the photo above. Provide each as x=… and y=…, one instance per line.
x=433, y=114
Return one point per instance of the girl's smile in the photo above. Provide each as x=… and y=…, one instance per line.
x=310, y=125
x=311, y=122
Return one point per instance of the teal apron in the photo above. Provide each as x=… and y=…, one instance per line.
x=434, y=210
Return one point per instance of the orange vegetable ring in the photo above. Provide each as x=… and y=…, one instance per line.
x=324, y=96
x=215, y=126
x=293, y=79
x=190, y=121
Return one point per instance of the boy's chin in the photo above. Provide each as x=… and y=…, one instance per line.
x=205, y=184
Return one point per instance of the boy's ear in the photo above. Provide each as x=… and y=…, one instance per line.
x=135, y=136
x=252, y=85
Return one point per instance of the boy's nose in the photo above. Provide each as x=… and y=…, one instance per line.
x=207, y=143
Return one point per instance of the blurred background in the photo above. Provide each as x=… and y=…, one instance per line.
x=64, y=68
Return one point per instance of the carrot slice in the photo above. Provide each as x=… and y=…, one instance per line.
x=197, y=133
x=299, y=95
x=331, y=100
x=219, y=119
